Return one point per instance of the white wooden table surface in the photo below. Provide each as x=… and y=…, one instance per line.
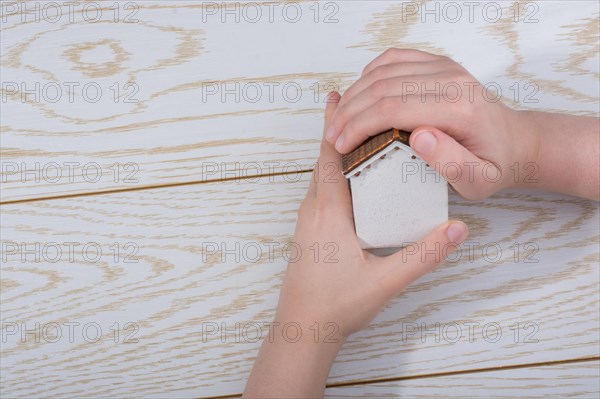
x=154, y=155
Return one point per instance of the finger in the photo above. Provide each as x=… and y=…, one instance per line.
x=471, y=176
x=405, y=112
x=394, y=55
x=395, y=86
x=331, y=185
x=418, y=259
x=386, y=71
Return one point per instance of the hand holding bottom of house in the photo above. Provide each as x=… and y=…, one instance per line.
x=334, y=288
x=456, y=121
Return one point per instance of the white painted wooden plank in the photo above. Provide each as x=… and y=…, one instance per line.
x=577, y=380
x=179, y=52
x=172, y=291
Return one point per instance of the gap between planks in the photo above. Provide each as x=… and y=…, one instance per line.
x=334, y=385
x=153, y=187
x=442, y=374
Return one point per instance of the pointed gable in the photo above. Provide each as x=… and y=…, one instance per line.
x=371, y=147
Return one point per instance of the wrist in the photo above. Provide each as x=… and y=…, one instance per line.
x=291, y=364
x=323, y=337
x=525, y=149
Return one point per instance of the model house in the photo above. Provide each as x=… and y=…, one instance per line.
x=397, y=198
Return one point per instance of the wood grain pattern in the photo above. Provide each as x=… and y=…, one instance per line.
x=530, y=269
x=177, y=285
x=579, y=380
x=169, y=128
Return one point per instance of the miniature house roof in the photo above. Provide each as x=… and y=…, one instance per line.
x=365, y=153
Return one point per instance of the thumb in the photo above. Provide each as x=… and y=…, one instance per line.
x=465, y=171
x=328, y=151
x=419, y=258
x=332, y=101
x=328, y=154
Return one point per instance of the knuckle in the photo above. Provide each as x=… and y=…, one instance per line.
x=391, y=51
x=379, y=88
x=466, y=109
x=341, y=115
x=462, y=99
x=445, y=59
x=386, y=106
x=378, y=72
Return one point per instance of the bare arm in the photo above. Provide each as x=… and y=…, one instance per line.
x=285, y=368
x=330, y=297
x=493, y=146
x=568, y=153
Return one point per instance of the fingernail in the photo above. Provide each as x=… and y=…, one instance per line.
x=330, y=133
x=339, y=143
x=424, y=143
x=456, y=232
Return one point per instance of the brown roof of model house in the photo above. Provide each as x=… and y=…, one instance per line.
x=371, y=147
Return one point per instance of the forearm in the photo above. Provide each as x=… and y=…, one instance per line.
x=287, y=369
x=567, y=156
